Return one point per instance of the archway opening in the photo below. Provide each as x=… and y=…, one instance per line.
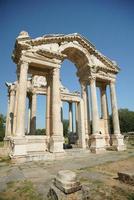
x=71, y=88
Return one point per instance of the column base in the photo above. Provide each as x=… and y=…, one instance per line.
x=118, y=142
x=97, y=143
x=7, y=142
x=18, y=147
x=107, y=140
x=56, y=144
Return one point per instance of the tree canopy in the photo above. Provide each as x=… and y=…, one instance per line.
x=2, y=126
x=126, y=118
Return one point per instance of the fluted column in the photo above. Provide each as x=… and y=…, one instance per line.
x=84, y=92
x=104, y=113
x=115, y=117
x=76, y=117
x=117, y=138
x=97, y=140
x=56, y=102
x=33, y=114
x=29, y=114
x=70, y=117
x=9, y=130
x=11, y=108
x=7, y=117
x=20, y=129
x=15, y=110
x=95, y=114
x=56, y=140
x=48, y=104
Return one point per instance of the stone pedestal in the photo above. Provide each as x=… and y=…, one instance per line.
x=67, y=182
x=118, y=142
x=66, y=187
x=7, y=145
x=107, y=140
x=56, y=144
x=97, y=143
x=18, y=147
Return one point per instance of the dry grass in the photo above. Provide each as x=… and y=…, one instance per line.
x=20, y=190
x=108, y=187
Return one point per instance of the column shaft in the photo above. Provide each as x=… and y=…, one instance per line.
x=86, y=107
x=104, y=108
x=56, y=140
x=95, y=115
x=33, y=114
x=7, y=117
x=48, y=104
x=11, y=113
x=15, y=110
x=29, y=114
x=56, y=117
x=20, y=129
x=76, y=117
x=70, y=117
x=116, y=126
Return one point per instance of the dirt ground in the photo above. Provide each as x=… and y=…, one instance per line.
x=103, y=180
x=31, y=181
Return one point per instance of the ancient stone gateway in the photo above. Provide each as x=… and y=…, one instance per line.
x=38, y=72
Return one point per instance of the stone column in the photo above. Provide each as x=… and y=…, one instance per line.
x=29, y=114
x=56, y=140
x=11, y=109
x=95, y=115
x=76, y=117
x=33, y=114
x=104, y=112
x=18, y=143
x=20, y=129
x=15, y=111
x=116, y=126
x=48, y=104
x=11, y=102
x=81, y=127
x=70, y=117
x=117, y=138
x=7, y=117
x=97, y=140
x=84, y=93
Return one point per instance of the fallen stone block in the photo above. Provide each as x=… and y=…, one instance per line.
x=126, y=177
x=65, y=186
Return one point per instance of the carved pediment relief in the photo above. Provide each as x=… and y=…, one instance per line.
x=39, y=81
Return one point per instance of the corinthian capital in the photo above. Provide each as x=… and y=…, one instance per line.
x=92, y=79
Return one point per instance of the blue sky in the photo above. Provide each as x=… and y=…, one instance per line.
x=108, y=24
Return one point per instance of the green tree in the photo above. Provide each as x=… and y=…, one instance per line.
x=2, y=127
x=126, y=118
x=41, y=131
x=65, y=127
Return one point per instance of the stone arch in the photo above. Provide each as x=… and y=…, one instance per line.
x=75, y=53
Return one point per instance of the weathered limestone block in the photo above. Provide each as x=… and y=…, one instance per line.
x=126, y=177
x=66, y=187
x=97, y=143
x=118, y=142
x=18, y=147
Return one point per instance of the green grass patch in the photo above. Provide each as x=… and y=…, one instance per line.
x=131, y=196
x=1, y=144
x=20, y=190
x=5, y=159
